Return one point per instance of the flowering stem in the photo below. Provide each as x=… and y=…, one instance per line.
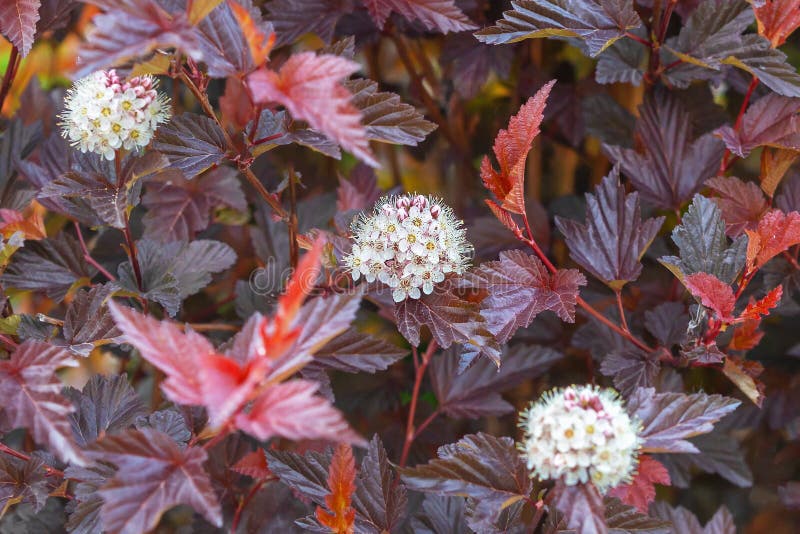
x=88, y=257
x=8, y=77
x=419, y=374
x=201, y=97
x=531, y=242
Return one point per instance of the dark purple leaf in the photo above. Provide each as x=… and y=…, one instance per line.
x=441, y=515
x=380, y=498
x=742, y=203
x=16, y=142
x=224, y=48
x=470, y=62
x=476, y=392
x=622, y=62
x=582, y=507
x=686, y=522
x=608, y=121
x=614, y=238
x=436, y=15
x=355, y=352
x=386, y=118
x=32, y=398
x=178, y=208
x=88, y=322
x=668, y=419
x=170, y=422
x=720, y=453
x=358, y=192
x=130, y=29
x=598, y=23
x=291, y=20
x=631, y=369
x=674, y=164
x=668, y=322
x=84, y=510
x=22, y=481
x=192, y=143
x=769, y=121
x=153, y=475
x=520, y=287
x=105, y=405
x=480, y=466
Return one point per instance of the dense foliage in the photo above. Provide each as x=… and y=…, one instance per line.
x=399, y=266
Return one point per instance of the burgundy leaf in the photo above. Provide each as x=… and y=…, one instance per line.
x=614, y=238
x=582, y=507
x=631, y=369
x=684, y=521
x=88, y=322
x=742, y=203
x=511, y=149
x=22, y=481
x=253, y=465
x=777, y=19
x=674, y=165
x=668, y=323
x=18, y=20
x=309, y=86
x=130, y=29
x=153, y=475
x=440, y=15
x=33, y=400
x=178, y=208
x=222, y=41
x=358, y=192
x=669, y=418
x=476, y=392
x=770, y=121
x=291, y=20
x=640, y=492
x=480, y=466
x=192, y=143
x=293, y=411
x=520, y=287
x=380, y=498
x=354, y=352
x=599, y=23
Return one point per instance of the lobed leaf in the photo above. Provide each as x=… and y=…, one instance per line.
x=640, y=492
x=437, y=15
x=339, y=516
x=22, y=481
x=192, y=143
x=713, y=294
x=18, y=20
x=777, y=19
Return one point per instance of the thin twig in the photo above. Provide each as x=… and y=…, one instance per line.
x=294, y=249
x=419, y=374
x=726, y=159
x=623, y=320
x=51, y=471
x=88, y=257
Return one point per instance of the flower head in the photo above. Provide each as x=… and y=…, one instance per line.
x=580, y=434
x=103, y=113
x=409, y=243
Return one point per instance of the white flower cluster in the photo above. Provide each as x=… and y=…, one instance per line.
x=103, y=113
x=409, y=243
x=581, y=434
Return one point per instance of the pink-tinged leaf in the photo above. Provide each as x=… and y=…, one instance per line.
x=641, y=491
x=755, y=309
x=582, y=507
x=259, y=42
x=153, y=475
x=742, y=203
x=441, y=15
x=770, y=121
x=293, y=411
x=776, y=232
x=511, y=149
x=253, y=465
x=668, y=419
x=612, y=241
x=340, y=515
x=167, y=347
x=309, y=86
x=32, y=399
x=713, y=294
x=504, y=217
x=18, y=20
x=520, y=287
x=358, y=192
x=129, y=29
x=777, y=19
x=354, y=352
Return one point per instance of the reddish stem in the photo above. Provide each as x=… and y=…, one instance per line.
x=88, y=257
x=428, y=420
x=267, y=138
x=419, y=374
x=726, y=162
x=621, y=308
x=51, y=471
x=10, y=343
x=8, y=77
x=638, y=39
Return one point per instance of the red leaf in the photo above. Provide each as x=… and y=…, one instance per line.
x=259, y=43
x=777, y=19
x=755, y=309
x=504, y=217
x=253, y=465
x=167, y=347
x=32, y=399
x=776, y=232
x=18, y=20
x=770, y=121
x=154, y=474
x=309, y=86
x=713, y=293
x=441, y=15
x=520, y=287
x=640, y=492
x=511, y=148
x=342, y=484
x=746, y=336
x=293, y=411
